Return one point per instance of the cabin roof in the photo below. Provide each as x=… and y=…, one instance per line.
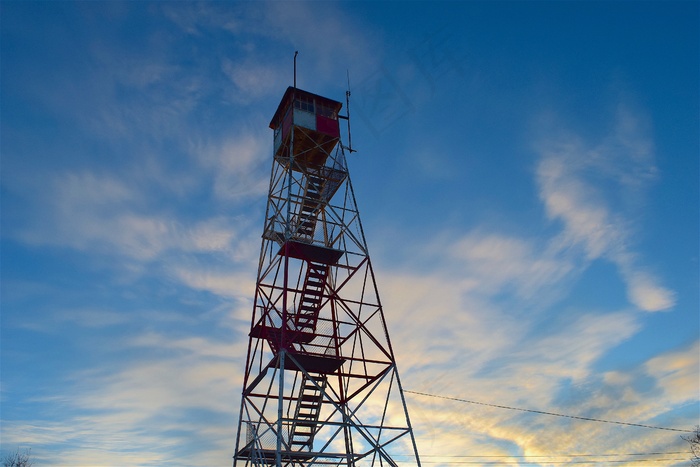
x=287, y=98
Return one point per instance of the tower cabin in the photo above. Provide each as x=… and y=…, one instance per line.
x=315, y=119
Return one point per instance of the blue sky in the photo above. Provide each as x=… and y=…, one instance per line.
x=527, y=177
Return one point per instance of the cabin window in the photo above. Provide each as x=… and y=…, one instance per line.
x=304, y=103
x=327, y=111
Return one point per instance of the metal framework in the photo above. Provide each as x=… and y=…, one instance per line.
x=321, y=385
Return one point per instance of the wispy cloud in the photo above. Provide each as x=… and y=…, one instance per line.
x=253, y=79
x=239, y=165
x=575, y=179
x=154, y=394
x=328, y=38
x=489, y=308
x=87, y=211
x=195, y=18
x=223, y=284
x=677, y=374
x=141, y=415
x=150, y=178
x=538, y=377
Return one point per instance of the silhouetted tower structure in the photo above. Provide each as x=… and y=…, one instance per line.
x=320, y=384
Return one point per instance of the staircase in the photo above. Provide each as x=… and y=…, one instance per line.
x=311, y=297
x=309, y=206
x=307, y=412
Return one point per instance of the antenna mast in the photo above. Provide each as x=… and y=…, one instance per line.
x=296, y=52
x=347, y=106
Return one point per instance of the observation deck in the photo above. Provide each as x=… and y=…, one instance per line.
x=316, y=119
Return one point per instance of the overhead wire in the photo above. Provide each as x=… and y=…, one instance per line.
x=635, y=458
x=541, y=412
x=554, y=458
x=629, y=454
x=520, y=462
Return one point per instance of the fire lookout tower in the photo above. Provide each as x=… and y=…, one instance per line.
x=321, y=385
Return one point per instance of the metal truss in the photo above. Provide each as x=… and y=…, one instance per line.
x=321, y=385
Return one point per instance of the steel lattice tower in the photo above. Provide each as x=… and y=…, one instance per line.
x=320, y=385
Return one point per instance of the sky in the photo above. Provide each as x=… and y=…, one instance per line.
x=527, y=178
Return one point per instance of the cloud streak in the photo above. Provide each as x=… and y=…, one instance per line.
x=133, y=217
x=488, y=309
x=566, y=176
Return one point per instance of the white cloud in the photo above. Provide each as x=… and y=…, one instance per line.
x=195, y=17
x=254, y=80
x=494, y=297
x=677, y=373
x=212, y=235
x=498, y=262
x=646, y=293
x=112, y=214
x=531, y=375
x=573, y=348
x=239, y=166
x=225, y=284
x=328, y=40
x=324, y=32
x=587, y=223
x=143, y=415
x=578, y=184
x=173, y=398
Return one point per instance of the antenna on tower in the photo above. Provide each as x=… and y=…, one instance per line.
x=296, y=52
x=347, y=106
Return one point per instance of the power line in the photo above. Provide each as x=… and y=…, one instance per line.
x=546, y=458
x=588, y=419
x=629, y=454
x=636, y=461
